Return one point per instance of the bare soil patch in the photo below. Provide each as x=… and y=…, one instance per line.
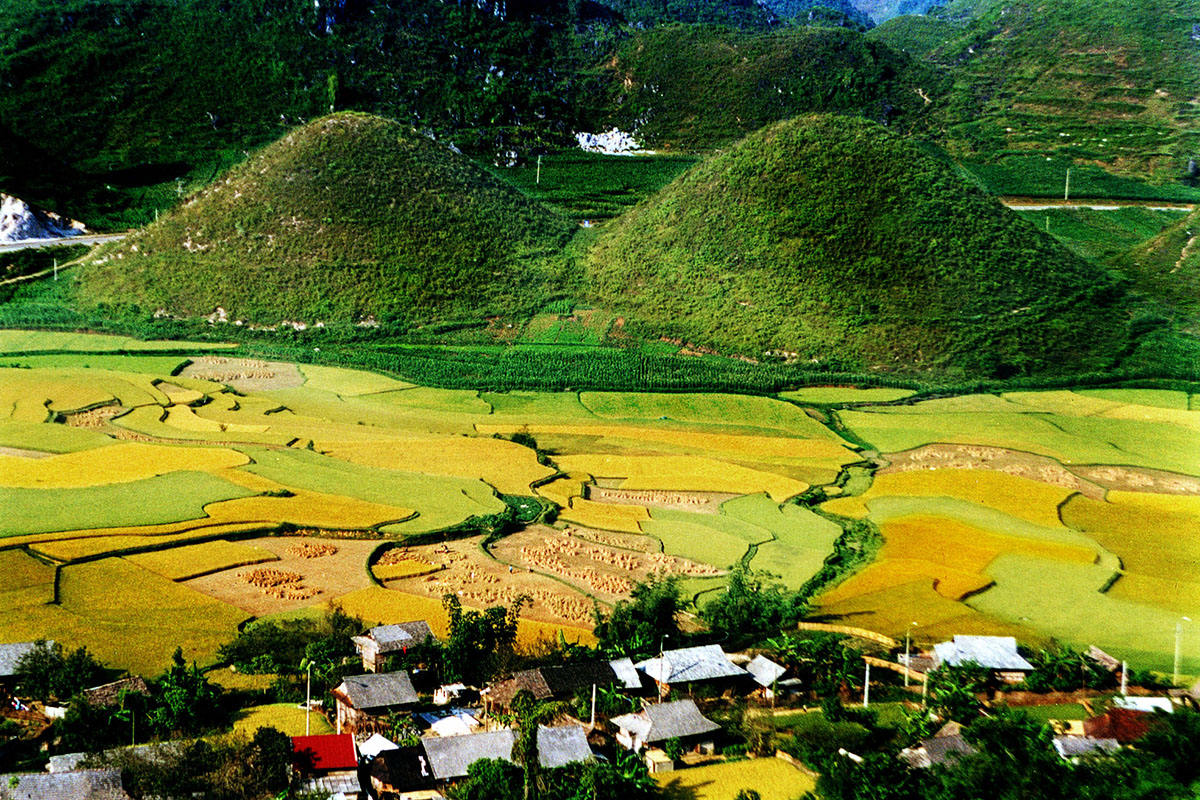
x=329, y=576
x=998, y=459
x=701, y=502
x=479, y=580
x=96, y=418
x=244, y=374
x=1137, y=479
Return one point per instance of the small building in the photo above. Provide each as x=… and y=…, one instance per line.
x=377, y=644
x=86, y=784
x=656, y=723
x=328, y=763
x=628, y=678
x=1072, y=748
x=109, y=694
x=403, y=774
x=561, y=745
x=704, y=664
x=363, y=700
x=1123, y=724
x=451, y=722
x=1147, y=704
x=996, y=653
x=766, y=674
x=372, y=747
x=10, y=656
x=449, y=757
x=943, y=748
x=559, y=682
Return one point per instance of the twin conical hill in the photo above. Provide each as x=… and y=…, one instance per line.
x=349, y=216
x=829, y=238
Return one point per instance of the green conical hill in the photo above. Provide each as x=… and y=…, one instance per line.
x=348, y=216
x=829, y=238
x=1166, y=269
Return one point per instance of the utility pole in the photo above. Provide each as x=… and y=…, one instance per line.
x=1067, y=188
x=538, y=180
x=56, y=269
x=867, y=687
x=662, y=664
x=308, y=703
x=1124, y=671
x=907, y=632
x=593, y=724
x=1178, y=633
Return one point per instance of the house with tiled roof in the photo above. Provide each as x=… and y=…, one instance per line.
x=704, y=664
x=996, y=653
x=11, y=654
x=89, y=784
x=109, y=694
x=942, y=749
x=559, y=682
x=383, y=641
x=659, y=722
x=364, y=700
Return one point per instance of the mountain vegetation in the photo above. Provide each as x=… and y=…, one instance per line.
x=829, y=234
x=1166, y=270
x=348, y=217
x=696, y=87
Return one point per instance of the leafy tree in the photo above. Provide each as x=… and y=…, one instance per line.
x=186, y=701
x=49, y=671
x=479, y=643
x=489, y=779
x=637, y=625
x=1063, y=669
x=826, y=662
x=1014, y=759
x=748, y=604
x=953, y=691
x=270, y=759
x=531, y=715
x=1175, y=739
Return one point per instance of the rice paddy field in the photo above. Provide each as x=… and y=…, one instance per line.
x=142, y=485
x=772, y=778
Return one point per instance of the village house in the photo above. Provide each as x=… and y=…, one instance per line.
x=384, y=641
x=364, y=700
x=1073, y=748
x=659, y=722
x=706, y=664
x=1125, y=725
x=88, y=784
x=996, y=653
x=941, y=749
x=766, y=674
x=403, y=774
x=109, y=694
x=556, y=682
x=328, y=764
x=10, y=656
x=450, y=757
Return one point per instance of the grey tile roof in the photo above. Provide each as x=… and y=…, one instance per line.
x=92, y=784
x=391, y=638
x=704, y=663
x=1072, y=746
x=10, y=655
x=378, y=690
x=662, y=721
x=936, y=751
x=626, y=673
x=562, y=745
x=765, y=671
x=450, y=756
x=993, y=652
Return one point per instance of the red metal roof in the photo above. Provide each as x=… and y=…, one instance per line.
x=1123, y=724
x=324, y=753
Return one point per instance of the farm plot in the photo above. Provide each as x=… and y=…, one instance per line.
x=244, y=374
x=129, y=461
x=1064, y=600
x=18, y=341
x=288, y=718
x=682, y=473
x=707, y=409
x=845, y=395
x=1026, y=499
x=24, y=580
x=43, y=438
x=509, y=467
x=605, y=572
x=191, y=561
x=1072, y=427
x=325, y=576
x=128, y=616
x=479, y=581
x=148, y=365
x=174, y=497
x=704, y=538
x=802, y=539
x=998, y=459
x=771, y=778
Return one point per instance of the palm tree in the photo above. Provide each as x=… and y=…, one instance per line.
x=530, y=715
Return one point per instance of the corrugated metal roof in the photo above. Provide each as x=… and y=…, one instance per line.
x=765, y=671
x=390, y=638
x=562, y=745
x=91, y=784
x=704, y=663
x=450, y=757
x=379, y=690
x=992, y=652
x=1071, y=746
x=626, y=673
x=662, y=721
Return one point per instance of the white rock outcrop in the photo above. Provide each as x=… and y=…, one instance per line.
x=614, y=143
x=20, y=222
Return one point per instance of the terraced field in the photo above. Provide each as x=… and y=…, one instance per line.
x=1062, y=514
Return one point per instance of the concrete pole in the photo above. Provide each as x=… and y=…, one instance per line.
x=1067, y=188
x=867, y=687
x=1124, y=674
x=308, y=706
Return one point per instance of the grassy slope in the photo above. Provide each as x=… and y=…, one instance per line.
x=696, y=87
x=830, y=237
x=1112, y=83
x=347, y=216
x=1167, y=268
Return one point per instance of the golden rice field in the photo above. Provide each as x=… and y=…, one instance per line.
x=772, y=778
x=103, y=454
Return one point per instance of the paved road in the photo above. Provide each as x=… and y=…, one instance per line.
x=69, y=240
